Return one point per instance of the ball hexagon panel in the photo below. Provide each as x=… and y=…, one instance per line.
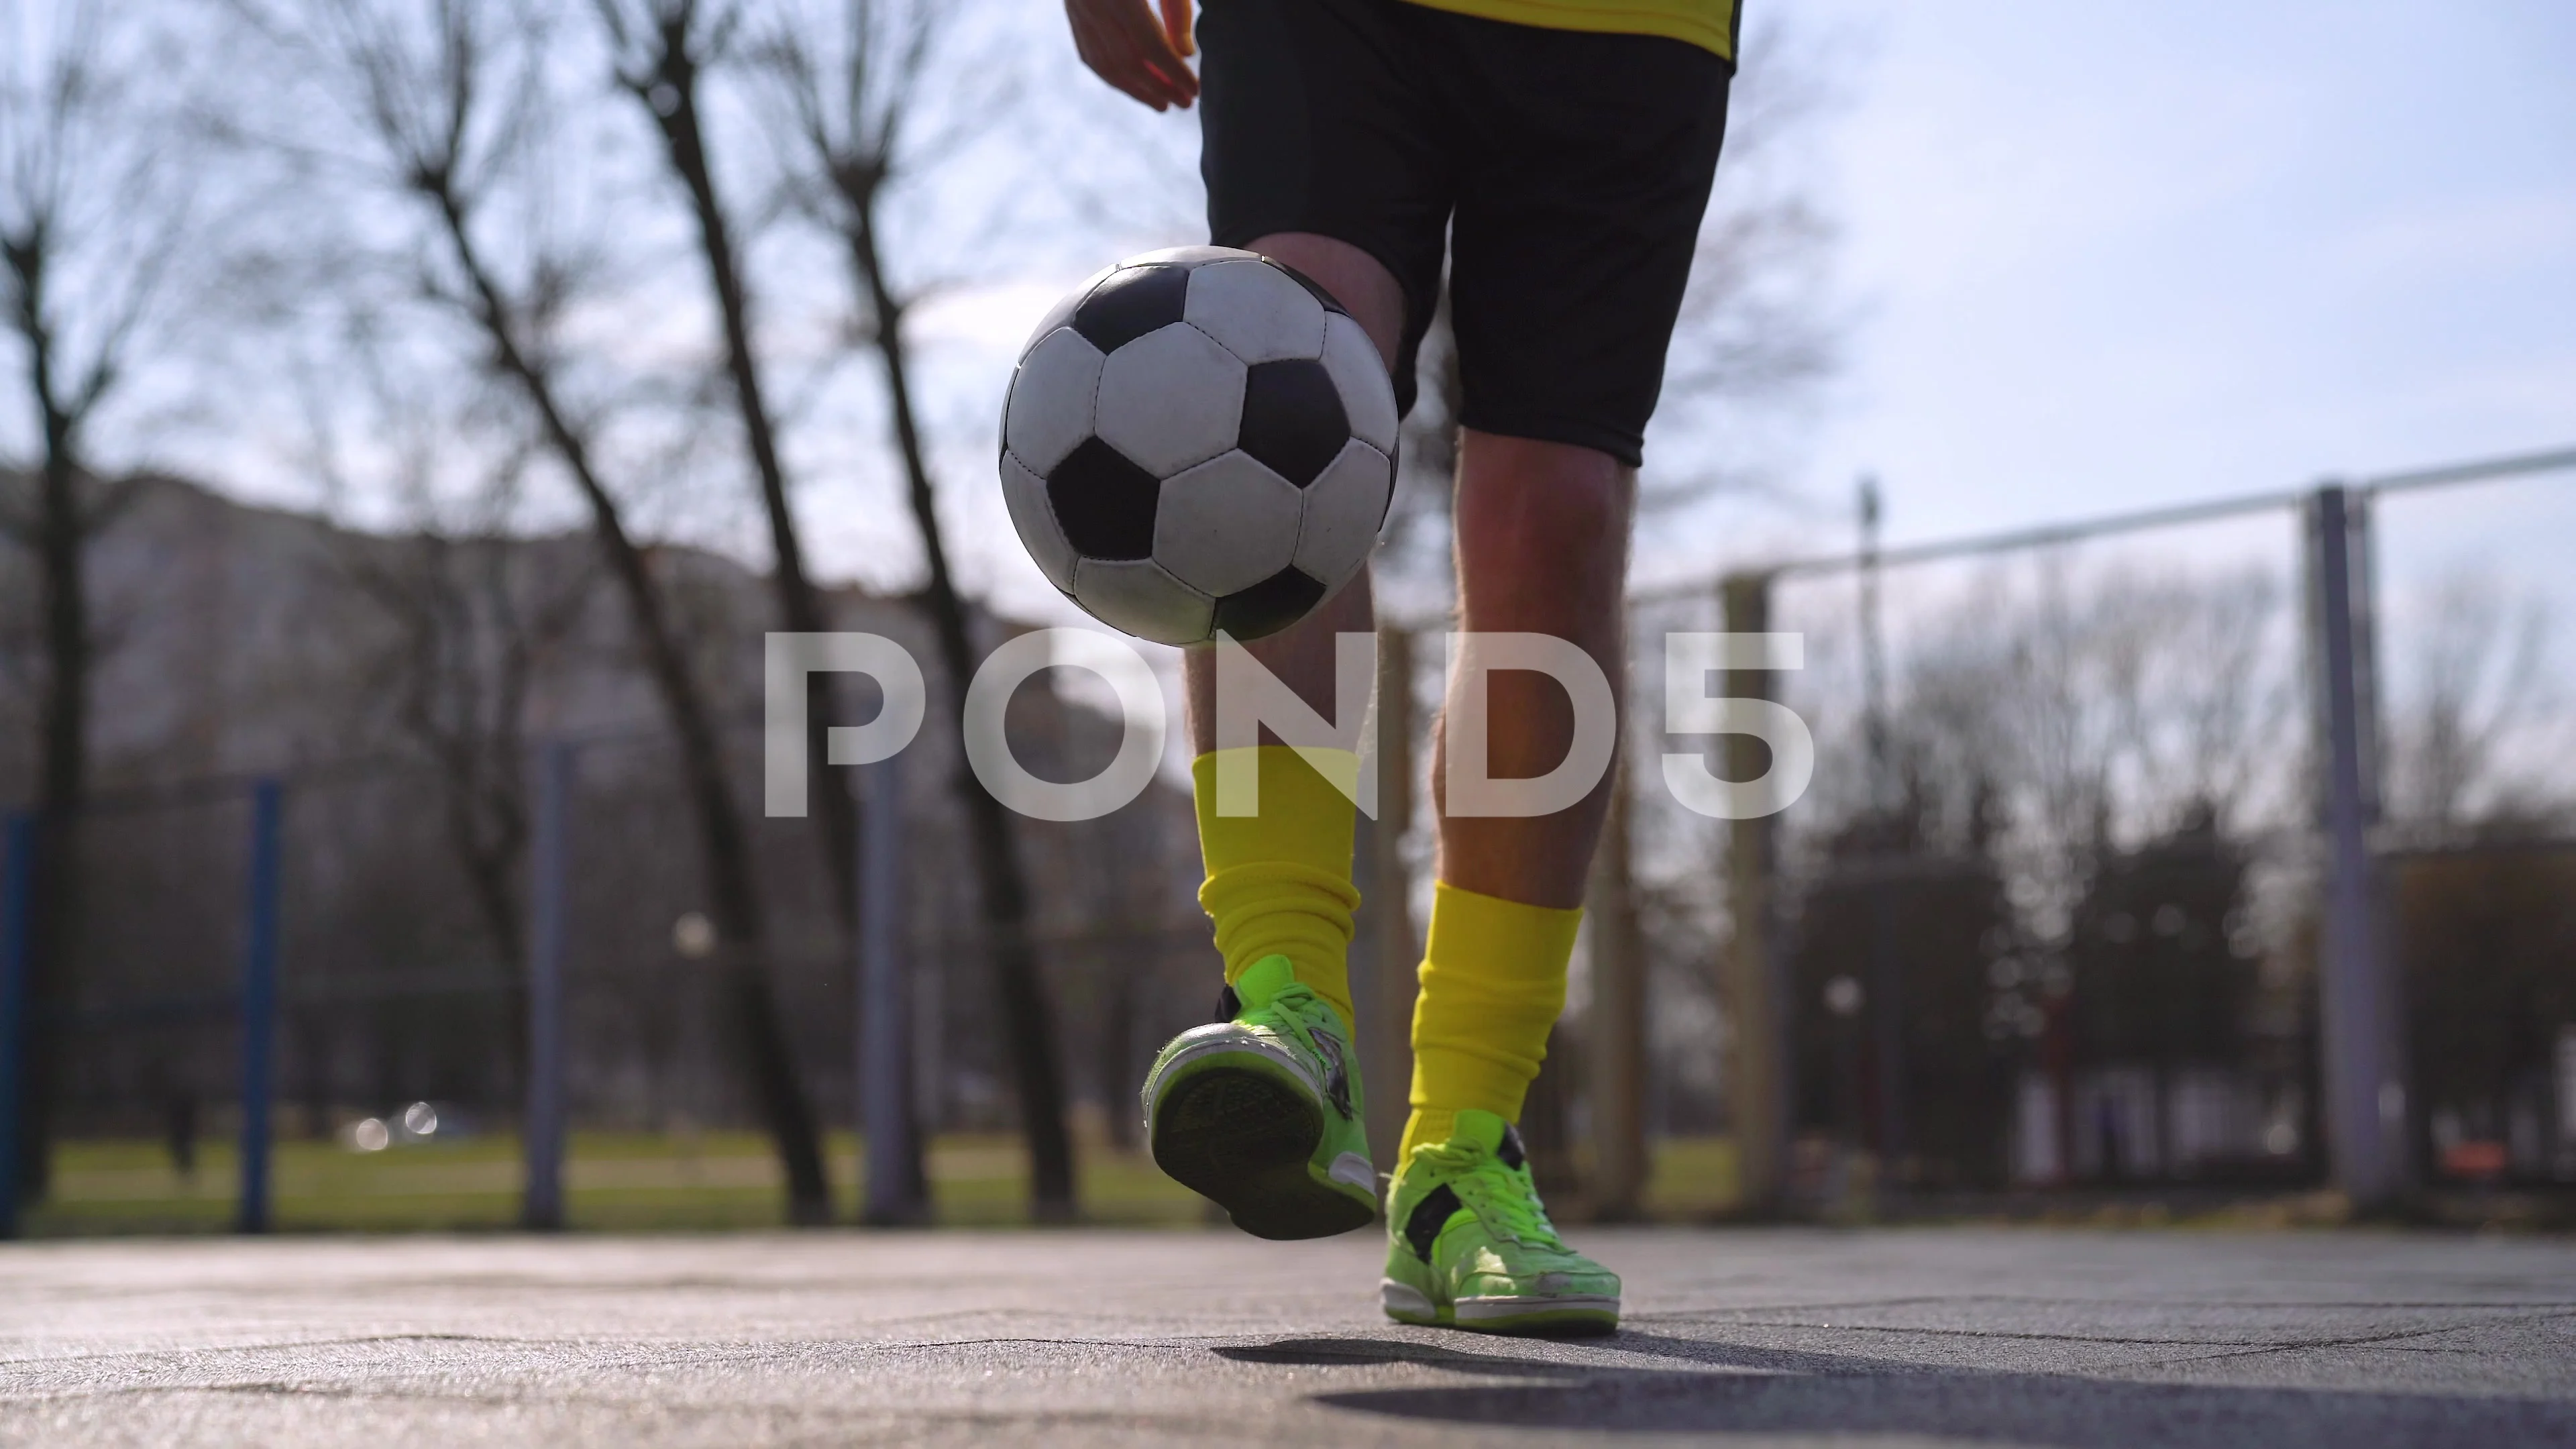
x=1104, y=503
x=1130, y=302
x=1142, y=599
x=1050, y=406
x=1345, y=506
x=1270, y=605
x=1292, y=418
x=1226, y=524
x=1368, y=398
x=1171, y=399
x=1256, y=310
x=1025, y=494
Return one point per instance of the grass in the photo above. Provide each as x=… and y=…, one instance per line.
x=638, y=1182
x=612, y=1182
x=1693, y=1178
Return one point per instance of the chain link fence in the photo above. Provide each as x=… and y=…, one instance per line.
x=2059, y=910
x=395, y=1051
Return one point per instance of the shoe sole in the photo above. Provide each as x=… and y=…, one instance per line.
x=1242, y=1133
x=1558, y=1316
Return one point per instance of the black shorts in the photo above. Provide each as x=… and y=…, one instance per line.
x=1564, y=172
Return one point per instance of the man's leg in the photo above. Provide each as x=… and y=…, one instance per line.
x=1542, y=548
x=1583, y=171
x=1581, y=165
x=1542, y=534
x=1264, y=1111
x=1542, y=541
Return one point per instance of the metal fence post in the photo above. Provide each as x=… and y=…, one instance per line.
x=893, y=1191
x=2364, y=1071
x=17, y=933
x=542, y=1135
x=1749, y=971
x=259, y=1004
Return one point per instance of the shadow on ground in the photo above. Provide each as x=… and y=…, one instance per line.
x=1734, y=1389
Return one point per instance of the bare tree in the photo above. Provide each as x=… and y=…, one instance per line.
x=2091, y=713
x=854, y=108
x=2474, y=685
x=474, y=613
x=472, y=616
x=663, y=49
x=469, y=623
x=94, y=208
x=453, y=98
x=456, y=670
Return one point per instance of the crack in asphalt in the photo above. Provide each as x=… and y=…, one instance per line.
x=2357, y=1341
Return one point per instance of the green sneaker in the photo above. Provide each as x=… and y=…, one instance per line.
x=1470, y=1246
x=1261, y=1111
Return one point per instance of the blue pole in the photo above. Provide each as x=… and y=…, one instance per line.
x=17, y=912
x=543, y=1133
x=259, y=1004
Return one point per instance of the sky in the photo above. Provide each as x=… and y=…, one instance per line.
x=2110, y=256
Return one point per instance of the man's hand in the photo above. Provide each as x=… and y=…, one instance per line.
x=1122, y=43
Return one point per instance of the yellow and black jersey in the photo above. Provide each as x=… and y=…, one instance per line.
x=1708, y=24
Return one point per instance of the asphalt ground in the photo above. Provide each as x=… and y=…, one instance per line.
x=2017, y=1336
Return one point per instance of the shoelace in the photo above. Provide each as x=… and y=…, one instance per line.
x=1297, y=1004
x=1495, y=1194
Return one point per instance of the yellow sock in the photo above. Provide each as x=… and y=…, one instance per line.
x=1493, y=983
x=1279, y=882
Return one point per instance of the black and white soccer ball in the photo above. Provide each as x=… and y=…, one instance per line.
x=1199, y=440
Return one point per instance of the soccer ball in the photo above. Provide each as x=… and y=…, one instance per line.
x=1199, y=440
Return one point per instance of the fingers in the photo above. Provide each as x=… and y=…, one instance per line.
x=1140, y=77
x=1154, y=49
x=1123, y=71
x=1124, y=45
x=1176, y=26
